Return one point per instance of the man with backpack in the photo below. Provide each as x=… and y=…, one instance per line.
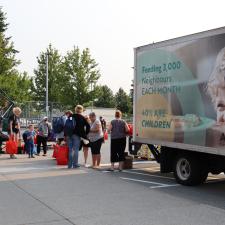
x=76, y=127
x=58, y=125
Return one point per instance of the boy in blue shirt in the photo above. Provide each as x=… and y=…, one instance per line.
x=29, y=140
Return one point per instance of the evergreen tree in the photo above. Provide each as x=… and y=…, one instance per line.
x=3, y=24
x=105, y=97
x=7, y=51
x=14, y=84
x=123, y=102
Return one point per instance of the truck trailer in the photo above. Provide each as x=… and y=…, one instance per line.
x=179, y=104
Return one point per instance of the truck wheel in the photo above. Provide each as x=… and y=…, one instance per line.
x=189, y=170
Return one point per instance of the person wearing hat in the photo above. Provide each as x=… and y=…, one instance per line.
x=42, y=135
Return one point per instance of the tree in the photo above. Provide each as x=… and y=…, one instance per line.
x=3, y=24
x=56, y=76
x=123, y=102
x=7, y=50
x=105, y=97
x=81, y=69
x=71, y=79
x=131, y=95
x=17, y=86
x=14, y=84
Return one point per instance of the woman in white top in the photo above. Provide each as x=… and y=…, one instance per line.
x=96, y=138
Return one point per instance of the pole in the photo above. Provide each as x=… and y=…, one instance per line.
x=91, y=96
x=46, y=84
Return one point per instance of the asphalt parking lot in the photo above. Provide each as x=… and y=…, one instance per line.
x=37, y=191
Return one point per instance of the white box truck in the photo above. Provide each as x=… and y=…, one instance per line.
x=179, y=103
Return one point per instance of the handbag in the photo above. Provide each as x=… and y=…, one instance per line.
x=11, y=147
x=106, y=136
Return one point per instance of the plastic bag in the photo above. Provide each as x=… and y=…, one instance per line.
x=11, y=147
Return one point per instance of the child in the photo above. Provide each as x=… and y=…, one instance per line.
x=29, y=140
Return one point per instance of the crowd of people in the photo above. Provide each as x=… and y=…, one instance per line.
x=78, y=131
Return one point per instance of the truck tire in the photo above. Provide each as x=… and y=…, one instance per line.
x=189, y=170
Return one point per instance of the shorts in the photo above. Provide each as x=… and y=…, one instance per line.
x=15, y=131
x=118, y=147
x=96, y=146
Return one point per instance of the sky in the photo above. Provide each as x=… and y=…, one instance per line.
x=110, y=28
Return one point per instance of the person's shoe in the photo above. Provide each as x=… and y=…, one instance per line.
x=32, y=157
x=37, y=154
x=76, y=166
x=86, y=165
x=110, y=169
x=44, y=154
x=29, y=157
x=13, y=157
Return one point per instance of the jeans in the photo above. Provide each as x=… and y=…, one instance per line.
x=30, y=148
x=74, y=145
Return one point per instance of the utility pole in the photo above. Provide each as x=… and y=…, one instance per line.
x=47, y=84
x=91, y=96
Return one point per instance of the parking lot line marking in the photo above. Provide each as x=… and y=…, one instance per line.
x=149, y=175
x=165, y=186
x=145, y=162
x=142, y=181
x=107, y=171
x=151, y=168
x=134, y=163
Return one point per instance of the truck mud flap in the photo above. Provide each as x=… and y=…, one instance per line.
x=155, y=152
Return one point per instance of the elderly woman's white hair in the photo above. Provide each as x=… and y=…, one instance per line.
x=17, y=111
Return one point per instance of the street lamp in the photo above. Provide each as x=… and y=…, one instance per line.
x=91, y=96
x=92, y=99
x=46, y=103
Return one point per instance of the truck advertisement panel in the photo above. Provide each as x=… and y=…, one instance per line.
x=180, y=92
